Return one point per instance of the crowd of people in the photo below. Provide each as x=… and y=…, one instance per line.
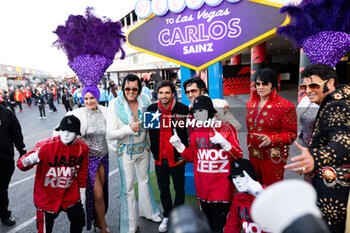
x=72, y=166
x=214, y=150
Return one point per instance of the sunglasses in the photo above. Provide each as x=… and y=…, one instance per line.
x=264, y=84
x=312, y=86
x=135, y=89
x=193, y=91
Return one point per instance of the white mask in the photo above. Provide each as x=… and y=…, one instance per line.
x=67, y=136
x=241, y=182
x=201, y=115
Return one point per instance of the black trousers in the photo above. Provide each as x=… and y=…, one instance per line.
x=75, y=213
x=42, y=110
x=6, y=171
x=29, y=101
x=19, y=103
x=177, y=173
x=52, y=106
x=216, y=214
x=68, y=107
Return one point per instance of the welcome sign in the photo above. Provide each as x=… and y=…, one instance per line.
x=197, y=38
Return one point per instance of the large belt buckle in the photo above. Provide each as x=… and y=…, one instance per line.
x=256, y=153
x=275, y=153
x=329, y=176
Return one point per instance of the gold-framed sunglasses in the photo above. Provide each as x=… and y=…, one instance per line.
x=312, y=86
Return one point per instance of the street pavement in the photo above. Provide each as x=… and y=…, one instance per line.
x=35, y=129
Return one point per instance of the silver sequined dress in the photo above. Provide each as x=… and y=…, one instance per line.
x=95, y=136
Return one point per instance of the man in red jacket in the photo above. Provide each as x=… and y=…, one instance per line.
x=62, y=166
x=272, y=127
x=213, y=146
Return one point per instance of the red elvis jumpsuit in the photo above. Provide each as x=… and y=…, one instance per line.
x=278, y=120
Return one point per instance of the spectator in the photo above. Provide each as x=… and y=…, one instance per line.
x=40, y=99
x=66, y=100
x=10, y=134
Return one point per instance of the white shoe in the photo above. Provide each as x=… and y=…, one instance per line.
x=40, y=118
x=44, y=117
x=156, y=219
x=163, y=227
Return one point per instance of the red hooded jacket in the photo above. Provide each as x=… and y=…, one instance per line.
x=240, y=218
x=62, y=170
x=211, y=163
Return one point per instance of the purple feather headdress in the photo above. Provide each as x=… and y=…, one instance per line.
x=321, y=28
x=90, y=44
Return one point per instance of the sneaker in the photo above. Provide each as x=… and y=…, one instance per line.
x=163, y=227
x=44, y=117
x=8, y=221
x=40, y=118
x=156, y=219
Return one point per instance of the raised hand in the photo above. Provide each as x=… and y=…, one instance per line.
x=176, y=142
x=219, y=139
x=253, y=187
x=135, y=125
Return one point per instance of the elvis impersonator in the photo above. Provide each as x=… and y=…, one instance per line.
x=211, y=150
x=61, y=176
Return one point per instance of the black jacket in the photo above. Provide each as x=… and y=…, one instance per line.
x=10, y=133
x=178, y=109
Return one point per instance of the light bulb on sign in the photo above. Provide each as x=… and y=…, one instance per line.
x=143, y=9
x=159, y=7
x=213, y=2
x=176, y=6
x=194, y=4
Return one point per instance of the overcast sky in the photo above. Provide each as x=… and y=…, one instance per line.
x=26, y=29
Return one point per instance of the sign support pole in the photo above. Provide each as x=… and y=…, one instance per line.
x=258, y=56
x=215, y=81
x=186, y=73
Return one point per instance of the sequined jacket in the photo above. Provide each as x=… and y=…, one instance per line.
x=330, y=143
x=278, y=120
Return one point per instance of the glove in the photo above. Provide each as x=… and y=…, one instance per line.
x=176, y=142
x=219, y=139
x=82, y=195
x=31, y=159
x=253, y=187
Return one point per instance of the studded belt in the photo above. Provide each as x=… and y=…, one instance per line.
x=331, y=177
x=273, y=153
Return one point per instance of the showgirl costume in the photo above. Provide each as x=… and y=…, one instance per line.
x=90, y=45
